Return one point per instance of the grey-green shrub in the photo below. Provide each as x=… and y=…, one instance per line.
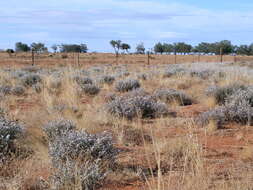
x=127, y=85
x=171, y=95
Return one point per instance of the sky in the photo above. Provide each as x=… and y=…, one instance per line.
x=96, y=22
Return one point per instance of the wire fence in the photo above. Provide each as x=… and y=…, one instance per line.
x=108, y=58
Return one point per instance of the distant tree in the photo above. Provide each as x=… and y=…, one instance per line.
x=39, y=47
x=21, y=47
x=10, y=51
x=168, y=48
x=54, y=47
x=83, y=48
x=68, y=48
x=182, y=47
x=116, y=44
x=140, y=49
x=159, y=48
x=125, y=47
x=203, y=47
x=225, y=46
x=243, y=50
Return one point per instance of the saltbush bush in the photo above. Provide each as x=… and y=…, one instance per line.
x=238, y=108
x=107, y=79
x=80, y=159
x=58, y=128
x=222, y=93
x=18, y=90
x=9, y=132
x=133, y=106
x=90, y=89
x=31, y=79
x=127, y=85
x=171, y=95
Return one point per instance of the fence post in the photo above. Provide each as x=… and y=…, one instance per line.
x=148, y=58
x=33, y=57
x=199, y=58
x=221, y=55
x=78, y=59
x=235, y=59
x=175, y=53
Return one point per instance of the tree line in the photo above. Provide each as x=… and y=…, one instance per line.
x=41, y=48
x=224, y=47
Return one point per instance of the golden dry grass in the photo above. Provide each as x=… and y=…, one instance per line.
x=162, y=154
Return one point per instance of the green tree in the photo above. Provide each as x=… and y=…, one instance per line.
x=203, y=47
x=159, y=48
x=125, y=47
x=182, y=47
x=243, y=50
x=21, y=47
x=116, y=44
x=68, y=48
x=168, y=48
x=140, y=49
x=54, y=47
x=225, y=47
x=39, y=47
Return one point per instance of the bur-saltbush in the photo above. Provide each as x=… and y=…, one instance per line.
x=142, y=76
x=80, y=159
x=31, y=79
x=173, y=71
x=9, y=132
x=127, y=85
x=136, y=106
x=222, y=93
x=5, y=89
x=90, y=89
x=18, y=90
x=238, y=108
x=107, y=79
x=171, y=95
x=203, y=74
x=58, y=128
x=83, y=80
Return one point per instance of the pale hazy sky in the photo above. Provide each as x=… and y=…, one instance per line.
x=96, y=22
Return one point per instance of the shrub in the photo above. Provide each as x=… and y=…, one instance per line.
x=133, y=106
x=5, y=90
x=173, y=71
x=31, y=69
x=37, y=88
x=90, y=89
x=81, y=159
x=57, y=128
x=127, y=85
x=203, y=74
x=83, y=80
x=31, y=79
x=64, y=56
x=222, y=93
x=18, y=90
x=238, y=108
x=9, y=132
x=107, y=79
x=142, y=76
x=171, y=95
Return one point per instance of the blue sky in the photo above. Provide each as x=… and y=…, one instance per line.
x=96, y=22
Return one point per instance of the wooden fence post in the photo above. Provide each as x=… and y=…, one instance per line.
x=175, y=61
x=78, y=62
x=33, y=57
x=221, y=55
x=235, y=59
x=148, y=58
x=198, y=58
